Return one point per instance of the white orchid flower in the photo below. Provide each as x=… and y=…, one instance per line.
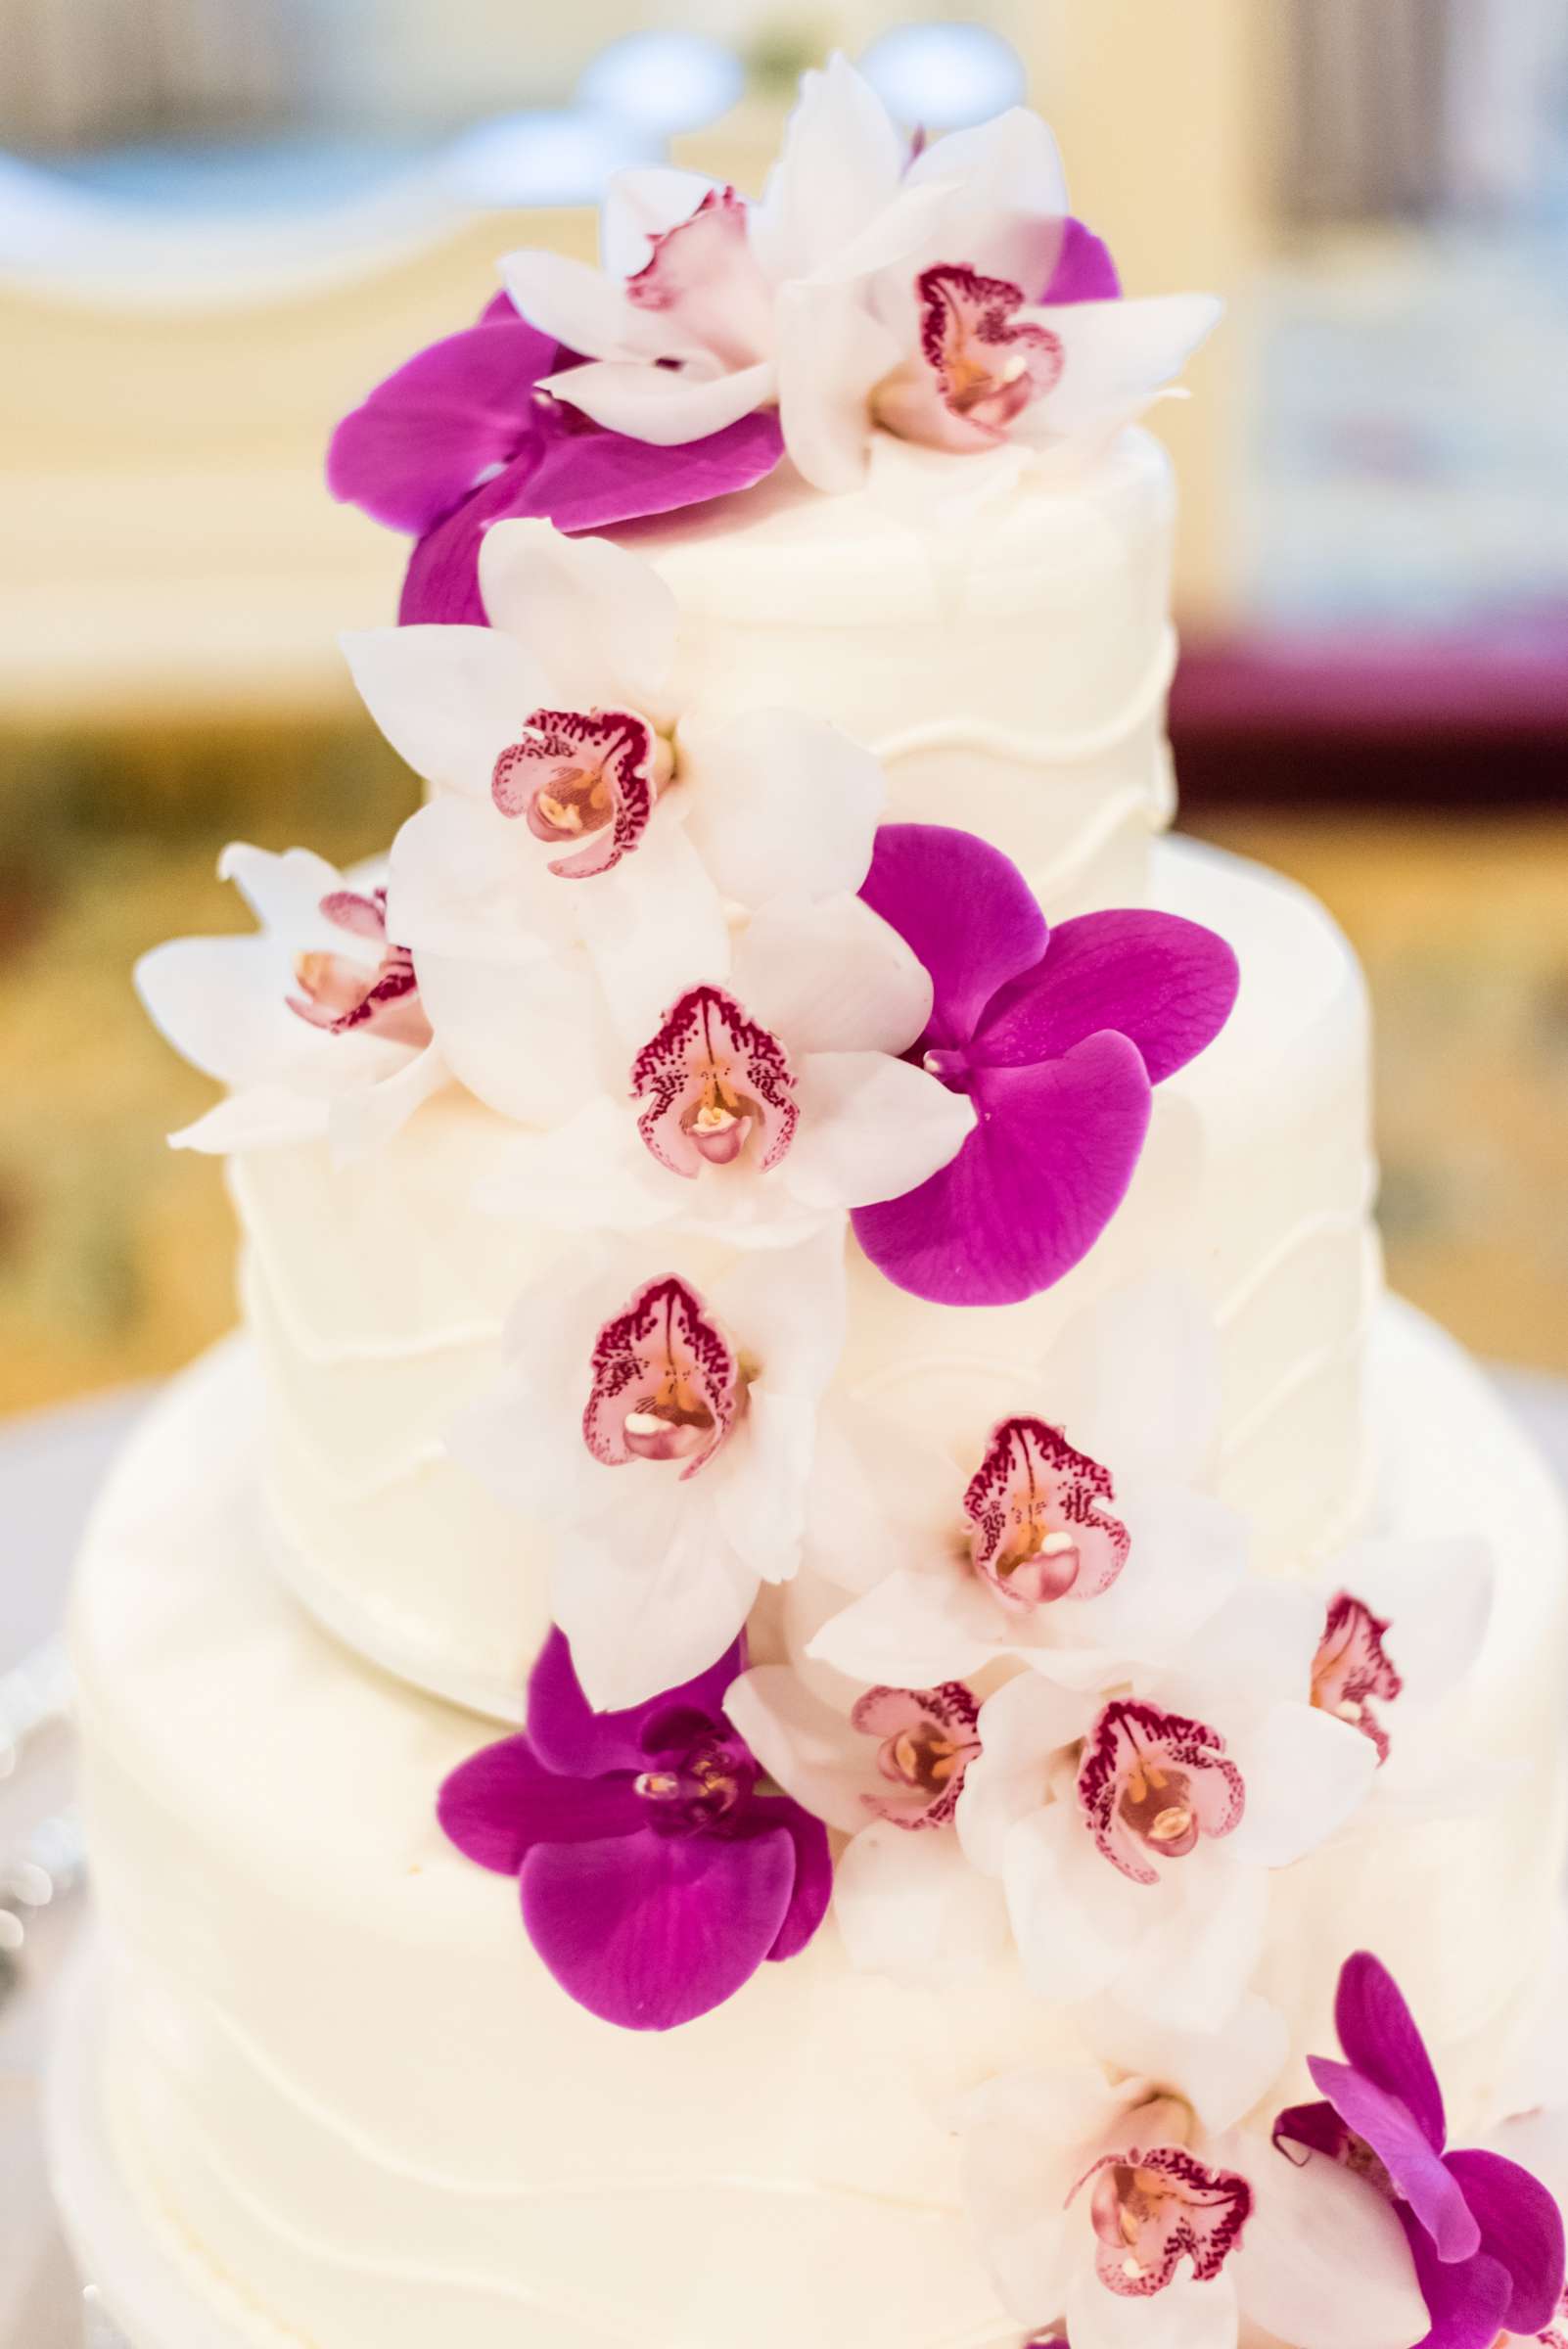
x=1079, y=1562
x=581, y=820
x=944, y=295
x=660, y=1417
x=1128, y=2214
x=761, y=1105
x=314, y=1022
x=1135, y=1826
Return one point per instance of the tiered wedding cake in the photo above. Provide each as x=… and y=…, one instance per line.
x=848, y=1439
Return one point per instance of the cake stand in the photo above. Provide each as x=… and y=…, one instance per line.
x=138, y=2295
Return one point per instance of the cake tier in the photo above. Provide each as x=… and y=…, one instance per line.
x=1004, y=647
x=377, y=1308
x=342, y=2078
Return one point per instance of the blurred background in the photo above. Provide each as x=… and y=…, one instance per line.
x=223, y=221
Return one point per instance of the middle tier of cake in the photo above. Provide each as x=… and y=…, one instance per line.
x=378, y=1311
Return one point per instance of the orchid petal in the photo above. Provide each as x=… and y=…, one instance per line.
x=1188, y=2315
x=1521, y=2229
x=364, y=1117
x=832, y=353
x=792, y=1306
x=1075, y=1921
x=1084, y=271
x=580, y=481
x=1166, y=984
x=1379, y=2035
x=1200, y=1950
x=664, y=405
x=1385, y=2121
x=915, y=1630
x=498, y=1805
x=874, y=1488
x=651, y=1593
x=809, y=1749
x=580, y=307
x=641, y=204
x=1222, y=2074
x=219, y=1002
x=1188, y=1555
x=447, y=699
x=567, y=1734
x=1011, y=164
x=1032, y=1189
x=423, y=440
x=465, y=883
x=1466, y=2299
x=1021, y=1729
x=910, y=1907
x=1117, y=355
x=813, y=1888
x=840, y=163
x=1323, y=2260
x=597, y=621
x=1437, y=1598
x=964, y=908
x=786, y=806
x=653, y=927
x=830, y=975
x=1306, y=1774
x=653, y=1930
x=259, y=1116
x=588, y=1174
x=283, y=893
x=1024, y=2135
x=871, y=1127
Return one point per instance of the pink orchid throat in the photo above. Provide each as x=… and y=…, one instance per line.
x=667, y=1384
x=1352, y=1668
x=1040, y=1531
x=343, y=996
x=927, y=1741
x=1153, y=2209
x=584, y=777
x=980, y=365
x=715, y=1087
x=1152, y=1785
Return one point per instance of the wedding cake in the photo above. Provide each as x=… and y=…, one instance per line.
x=825, y=1668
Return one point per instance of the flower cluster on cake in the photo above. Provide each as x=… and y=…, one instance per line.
x=746, y=1032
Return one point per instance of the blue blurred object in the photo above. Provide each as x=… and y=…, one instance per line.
x=664, y=82
x=560, y=156
x=945, y=76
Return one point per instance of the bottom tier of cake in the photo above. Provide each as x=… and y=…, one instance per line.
x=339, y=2082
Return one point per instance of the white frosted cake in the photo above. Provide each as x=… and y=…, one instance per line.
x=823, y=1668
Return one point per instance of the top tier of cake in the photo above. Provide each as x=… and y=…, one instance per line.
x=1004, y=650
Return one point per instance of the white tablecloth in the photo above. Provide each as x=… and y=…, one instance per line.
x=50, y=1468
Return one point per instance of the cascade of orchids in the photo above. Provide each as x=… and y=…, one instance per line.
x=1023, y=1701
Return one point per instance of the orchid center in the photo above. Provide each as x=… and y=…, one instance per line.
x=692, y=1790
x=984, y=361
x=926, y=1741
x=585, y=780
x=667, y=1384
x=1039, y=1528
x=715, y=1087
x=1153, y=1785
x=1352, y=1668
x=343, y=992
x=1154, y=2209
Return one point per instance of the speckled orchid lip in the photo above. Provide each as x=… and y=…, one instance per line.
x=1152, y=1785
x=589, y=777
x=1352, y=1668
x=1154, y=2206
x=714, y=1083
x=988, y=364
x=928, y=1740
x=1038, y=1531
x=667, y=1382
x=342, y=995
x=701, y=277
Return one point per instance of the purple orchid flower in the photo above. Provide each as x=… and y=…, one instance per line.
x=655, y=1876
x=1057, y=1035
x=1486, y=2236
x=459, y=437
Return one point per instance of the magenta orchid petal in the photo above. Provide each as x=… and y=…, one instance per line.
x=1032, y=1188
x=650, y=1931
x=1166, y=984
x=568, y=1734
x=1084, y=270
x=1382, y=2120
x=426, y=438
x=1377, y=2034
x=964, y=909
x=1521, y=2229
x=813, y=1873
x=1317, y=2127
x=480, y=1806
x=1467, y=2301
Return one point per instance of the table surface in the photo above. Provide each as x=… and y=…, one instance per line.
x=50, y=1468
